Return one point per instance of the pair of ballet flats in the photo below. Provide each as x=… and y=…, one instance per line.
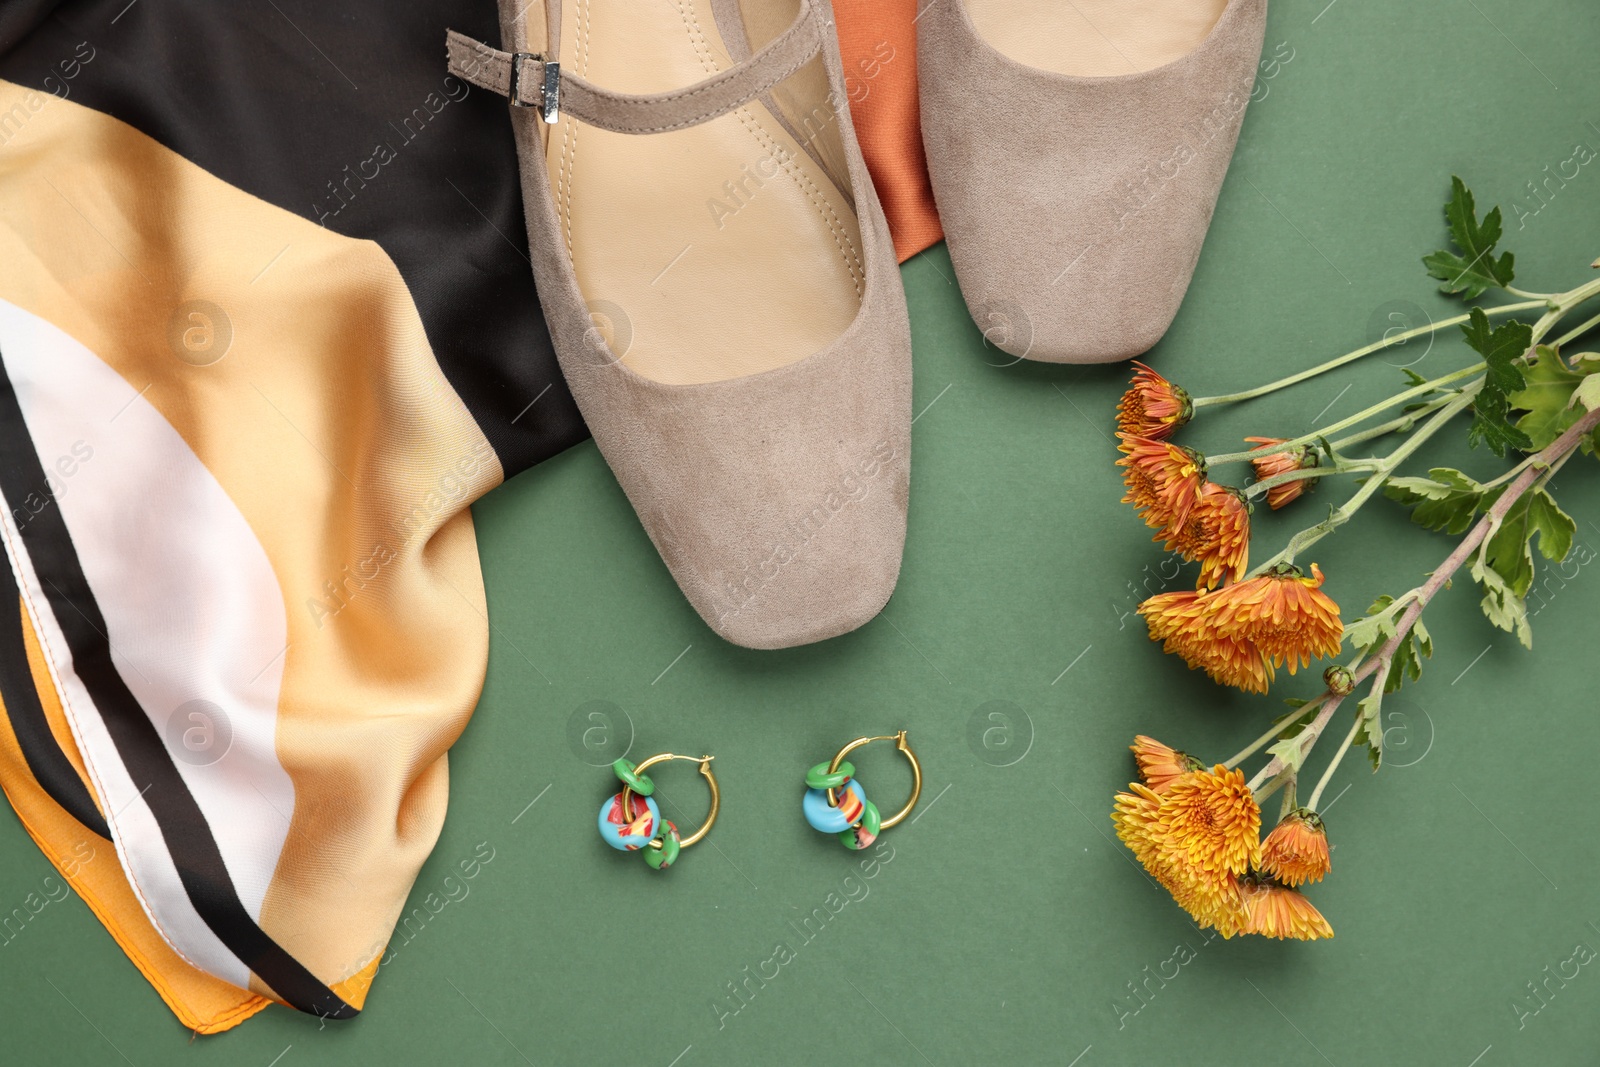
x=719, y=281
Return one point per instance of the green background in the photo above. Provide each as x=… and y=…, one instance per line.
x=1008, y=924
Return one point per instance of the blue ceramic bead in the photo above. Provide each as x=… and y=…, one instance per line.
x=615, y=828
x=831, y=820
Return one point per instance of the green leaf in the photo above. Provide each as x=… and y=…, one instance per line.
x=1500, y=349
x=1500, y=605
x=1546, y=396
x=1376, y=627
x=1423, y=638
x=1473, y=268
x=1588, y=364
x=1370, y=732
x=1290, y=751
x=1407, y=663
x=1588, y=392
x=1380, y=625
x=1446, y=500
x=1555, y=527
x=1509, y=550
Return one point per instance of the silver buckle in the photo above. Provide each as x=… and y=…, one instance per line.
x=550, y=92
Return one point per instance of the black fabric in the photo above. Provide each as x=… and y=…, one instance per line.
x=188, y=836
x=291, y=100
x=19, y=17
x=50, y=766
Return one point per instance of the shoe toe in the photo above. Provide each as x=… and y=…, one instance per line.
x=1075, y=208
x=777, y=500
x=814, y=559
x=1112, y=302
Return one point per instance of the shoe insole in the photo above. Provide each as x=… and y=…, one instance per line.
x=707, y=253
x=1094, y=38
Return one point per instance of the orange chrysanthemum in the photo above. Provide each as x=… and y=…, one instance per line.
x=1170, y=845
x=1159, y=764
x=1189, y=625
x=1134, y=813
x=1293, y=459
x=1220, y=905
x=1163, y=480
x=1226, y=910
x=1209, y=827
x=1275, y=910
x=1153, y=407
x=1282, y=613
x=1296, y=851
x=1217, y=533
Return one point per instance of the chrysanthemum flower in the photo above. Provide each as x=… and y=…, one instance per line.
x=1153, y=407
x=1294, y=459
x=1163, y=480
x=1217, y=533
x=1188, y=624
x=1134, y=813
x=1208, y=827
x=1172, y=846
x=1282, y=613
x=1275, y=910
x=1159, y=764
x=1220, y=905
x=1296, y=851
x=1225, y=909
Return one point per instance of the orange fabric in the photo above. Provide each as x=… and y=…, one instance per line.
x=878, y=42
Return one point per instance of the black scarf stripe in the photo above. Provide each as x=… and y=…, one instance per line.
x=48, y=764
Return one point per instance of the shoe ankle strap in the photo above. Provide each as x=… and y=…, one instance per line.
x=528, y=80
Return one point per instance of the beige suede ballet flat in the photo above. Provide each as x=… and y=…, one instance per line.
x=1076, y=153
x=719, y=283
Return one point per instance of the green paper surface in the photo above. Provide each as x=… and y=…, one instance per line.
x=1003, y=923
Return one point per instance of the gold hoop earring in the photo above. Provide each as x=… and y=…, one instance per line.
x=630, y=821
x=835, y=803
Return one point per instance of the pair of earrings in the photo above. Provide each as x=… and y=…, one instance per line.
x=834, y=803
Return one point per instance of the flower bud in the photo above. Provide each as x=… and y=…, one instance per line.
x=1339, y=680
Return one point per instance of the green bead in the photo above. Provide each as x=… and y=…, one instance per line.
x=639, y=783
x=819, y=777
x=865, y=831
x=663, y=851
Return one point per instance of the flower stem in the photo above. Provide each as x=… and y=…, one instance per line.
x=1277, y=783
x=1333, y=765
x=1344, y=466
x=1350, y=357
x=1563, y=303
x=1288, y=797
x=1441, y=576
x=1312, y=534
x=1403, y=422
x=1578, y=332
x=1277, y=728
x=1358, y=417
x=1543, y=298
x=1527, y=461
x=1550, y=474
x=1306, y=737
